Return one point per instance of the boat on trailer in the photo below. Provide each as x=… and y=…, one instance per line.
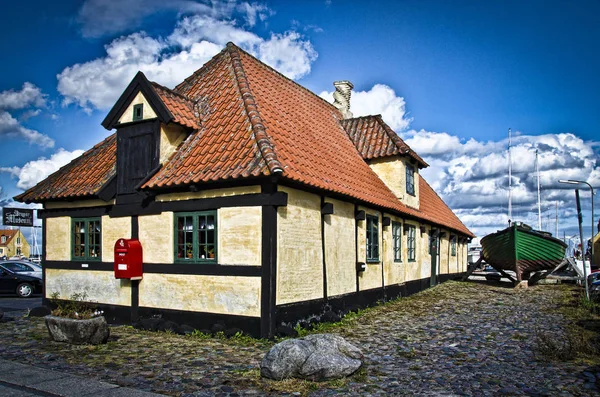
x=523, y=250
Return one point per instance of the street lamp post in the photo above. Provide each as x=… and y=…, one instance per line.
x=573, y=182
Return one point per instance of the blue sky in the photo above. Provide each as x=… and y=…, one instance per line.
x=449, y=76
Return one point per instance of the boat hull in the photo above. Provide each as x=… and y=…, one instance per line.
x=522, y=250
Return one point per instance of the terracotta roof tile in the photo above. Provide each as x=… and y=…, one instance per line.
x=374, y=138
x=82, y=177
x=9, y=234
x=437, y=210
x=180, y=107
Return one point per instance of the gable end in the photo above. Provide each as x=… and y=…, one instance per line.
x=139, y=84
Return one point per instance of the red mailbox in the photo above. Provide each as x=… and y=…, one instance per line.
x=128, y=259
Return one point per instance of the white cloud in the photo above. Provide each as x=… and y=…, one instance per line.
x=35, y=171
x=10, y=127
x=168, y=61
x=13, y=171
x=29, y=95
x=380, y=99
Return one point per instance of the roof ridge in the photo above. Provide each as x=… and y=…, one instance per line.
x=229, y=44
x=396, y=139
x=162, y=87
x=260, y=134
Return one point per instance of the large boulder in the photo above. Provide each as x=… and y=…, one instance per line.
x=315, y=357
x=93, y=331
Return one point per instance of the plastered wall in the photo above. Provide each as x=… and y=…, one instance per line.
x=240, y=236
x=100, y=286
x=211, y=294
x=112, y=230
x=392, y=171
x=299, y=250
x=58, y=239
x=394, y=272
x=156, y=237
x=171, y=136
x=148, y=113
x=340, y=250
x=444, y=253
x=372, y=277
x=233, y=191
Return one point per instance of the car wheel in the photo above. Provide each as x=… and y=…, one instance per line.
x=24, y=290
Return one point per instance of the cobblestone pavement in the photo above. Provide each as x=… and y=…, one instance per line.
x=457, y=339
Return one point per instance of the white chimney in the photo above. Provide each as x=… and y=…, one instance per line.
x=341, y=97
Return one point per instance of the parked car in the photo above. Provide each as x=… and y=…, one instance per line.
x=35, y=258
x=17, y=282
x=23, y=267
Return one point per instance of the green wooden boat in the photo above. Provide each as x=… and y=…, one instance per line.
x=523, y=250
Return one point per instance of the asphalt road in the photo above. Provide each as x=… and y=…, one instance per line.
x=9, y=303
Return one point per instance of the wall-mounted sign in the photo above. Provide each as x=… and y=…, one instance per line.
x=17, y=217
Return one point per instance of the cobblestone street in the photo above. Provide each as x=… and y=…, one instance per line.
x=471, y=339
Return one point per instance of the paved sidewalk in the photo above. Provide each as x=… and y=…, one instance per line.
x=20, y=380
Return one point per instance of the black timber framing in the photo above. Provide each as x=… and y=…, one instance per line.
x=139, y=83
x=135, y=284
x=165, y=268
x=44, y=239
x=323, y=250
x=269, y=264
x=245, y=200
x=292, y=313
x=138, y=153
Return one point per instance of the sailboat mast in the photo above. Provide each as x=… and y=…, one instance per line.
x=556, y=220
x=509, y=179
x=537, y=171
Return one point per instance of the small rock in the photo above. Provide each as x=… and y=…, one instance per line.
x=40, y=311
x=185, y=330
x=231, y=332
x=286, y=331
x=330, y=317
x=218, y=327
x=165, y=326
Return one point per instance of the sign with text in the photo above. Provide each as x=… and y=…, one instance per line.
x=17, y=217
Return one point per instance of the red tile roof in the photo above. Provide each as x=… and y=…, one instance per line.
x=374, y=138
x=437, y=211
x=248, y=121
x=180, y=107
x=9, y=236
x=82, y=177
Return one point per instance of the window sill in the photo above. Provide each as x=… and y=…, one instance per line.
x=81, y=259
x=412, y=260
x=395, y=261
x=372, y=261
x=196, y=261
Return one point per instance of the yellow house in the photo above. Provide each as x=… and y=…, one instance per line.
x=13, y=243
x=256, y=202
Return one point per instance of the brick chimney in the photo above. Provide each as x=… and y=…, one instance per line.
x=341, y=97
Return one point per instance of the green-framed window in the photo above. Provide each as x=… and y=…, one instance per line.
x=411, y=242
x=453, y=245
x=397, y=237
x=196, y=237
x=410, y=179
x=86, y=239
x=138, y=112
x=372, y=238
